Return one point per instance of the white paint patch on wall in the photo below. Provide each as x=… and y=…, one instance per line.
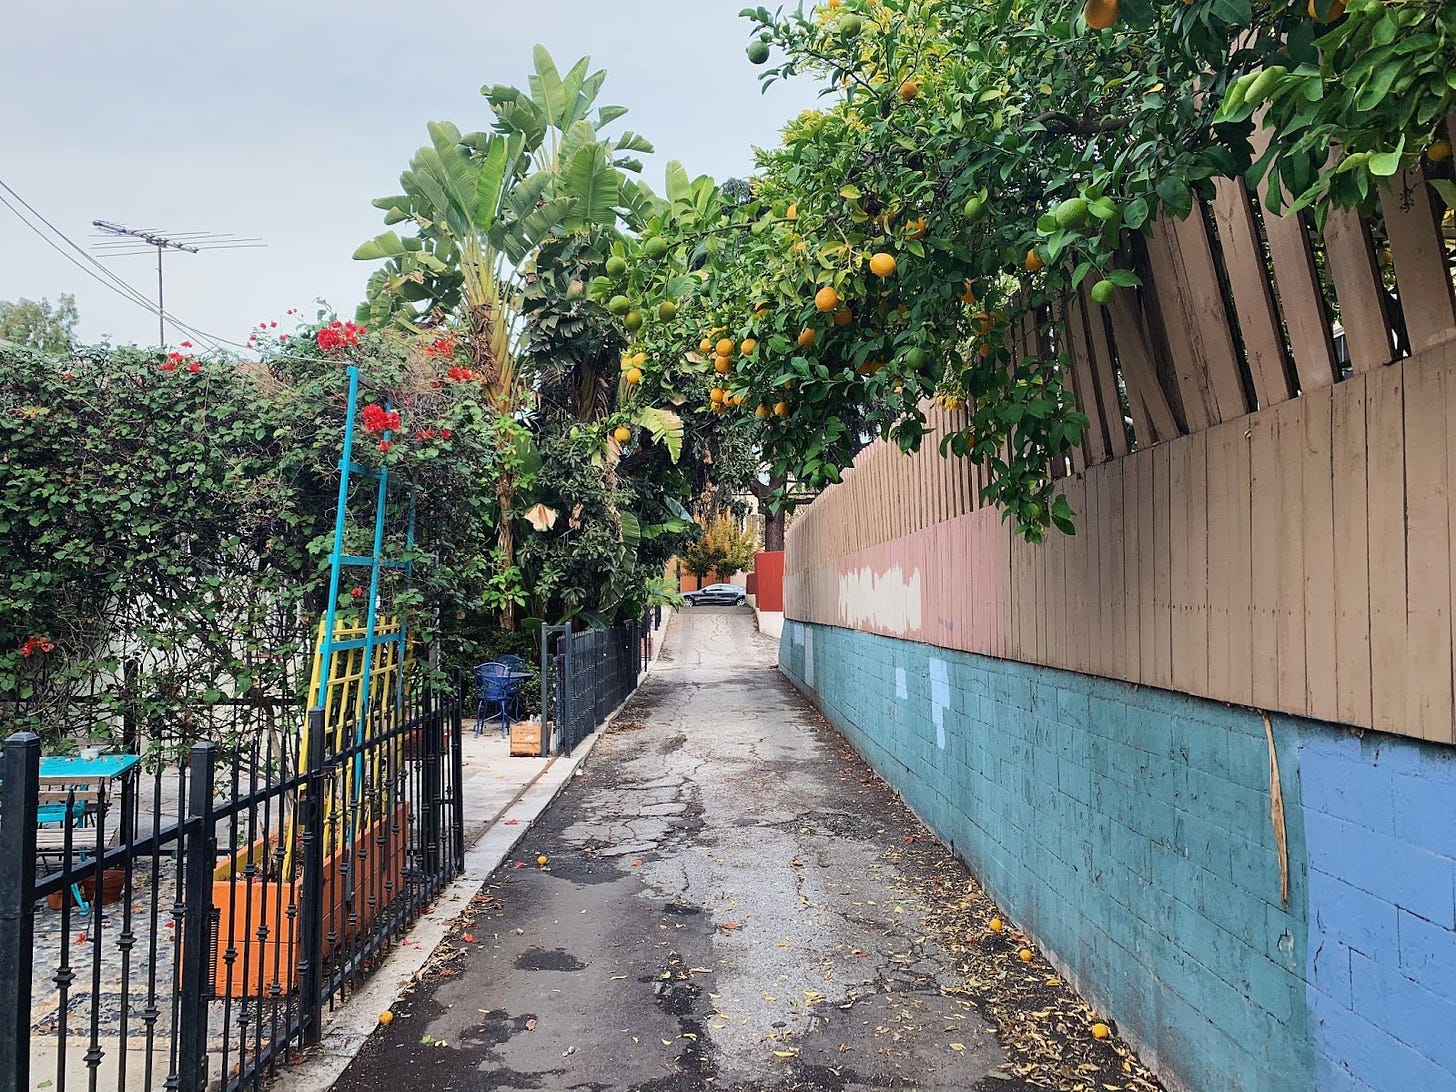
x=902, y=686
x=939, y=697
x=809, y=657
x=886, y=602
x=798, y=634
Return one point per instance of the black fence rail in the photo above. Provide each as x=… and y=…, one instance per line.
x=186, y=928
x=584, y=676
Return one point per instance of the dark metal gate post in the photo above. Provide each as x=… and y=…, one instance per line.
x=433, y=798
x=457, y=777
x=199, y=860
x=17, y=905
x=547, y=712
x=311, y=908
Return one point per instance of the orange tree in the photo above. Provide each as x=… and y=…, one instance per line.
x=974, y=163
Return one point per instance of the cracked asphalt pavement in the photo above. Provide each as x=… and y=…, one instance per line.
x=724, y=907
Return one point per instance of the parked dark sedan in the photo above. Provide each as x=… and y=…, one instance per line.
x=729, y=594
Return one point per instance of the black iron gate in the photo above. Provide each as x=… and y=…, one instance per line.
x=586, y=675
x=186, y=927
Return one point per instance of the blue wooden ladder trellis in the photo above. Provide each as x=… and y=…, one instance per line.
x=340, y=561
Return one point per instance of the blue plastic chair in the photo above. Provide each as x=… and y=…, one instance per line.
x=493, y=688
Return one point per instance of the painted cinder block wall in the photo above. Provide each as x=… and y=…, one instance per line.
x=1128, y=830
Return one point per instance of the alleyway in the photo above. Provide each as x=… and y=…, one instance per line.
x=728, y=904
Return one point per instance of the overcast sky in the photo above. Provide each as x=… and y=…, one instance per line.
x=285, y=118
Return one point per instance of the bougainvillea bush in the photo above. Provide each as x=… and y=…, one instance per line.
x=166, y=522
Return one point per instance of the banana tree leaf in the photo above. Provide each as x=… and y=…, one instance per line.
x=595, y=187
x=518, y=240
x=638, y=203
x=666, y=428
x=458, y=174
x=516, y=113
x=427, y=180
x=633, y=142
x=608, y=114
x=576, y=97
x=631, y=530
x=546, y=87
x=388, y=245
x=679, y=189
x=573, y=140
x=527, y=193
x=492, y=183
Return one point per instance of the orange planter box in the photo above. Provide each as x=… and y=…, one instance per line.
x=256, y=944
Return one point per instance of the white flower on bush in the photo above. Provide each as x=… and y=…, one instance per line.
x=541, y=517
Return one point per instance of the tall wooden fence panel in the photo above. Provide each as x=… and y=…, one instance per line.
x=1268, y=521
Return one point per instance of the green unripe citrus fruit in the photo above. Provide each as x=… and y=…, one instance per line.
x=633, y=321
x=757, y=51
x=973, y=209
x=616, y=265
x=619, y=305
x=1071, y=213
x=851, y=25
x=655, y=247
x=666, y=311
x=1103, y=291
x=915, y=358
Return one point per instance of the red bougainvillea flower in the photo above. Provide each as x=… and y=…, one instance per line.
x=357, y=592
x=45, y=644
x=169, y=366
x=339, y=335
x=377, y=419
x=186, y=345
x=384, y=446
x=69, y=375
x=444, y=434
x=194, y=367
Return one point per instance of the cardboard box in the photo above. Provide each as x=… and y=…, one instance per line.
x=526, y=738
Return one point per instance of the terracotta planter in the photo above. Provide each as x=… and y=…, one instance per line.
x=113, y=886
x=247, y=964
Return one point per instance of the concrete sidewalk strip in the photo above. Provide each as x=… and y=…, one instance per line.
x=347, y=1028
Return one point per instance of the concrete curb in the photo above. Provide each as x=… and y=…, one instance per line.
x=349, y=1026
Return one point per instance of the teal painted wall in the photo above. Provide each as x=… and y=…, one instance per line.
x=1128, y=829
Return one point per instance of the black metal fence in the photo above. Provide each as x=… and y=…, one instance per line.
x=187, y=927
x=584, y=676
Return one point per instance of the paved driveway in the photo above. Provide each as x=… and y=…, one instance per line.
x=725, y=907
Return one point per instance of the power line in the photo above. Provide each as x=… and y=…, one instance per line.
x=98, y=272
x=113, y=283
x=109, y=280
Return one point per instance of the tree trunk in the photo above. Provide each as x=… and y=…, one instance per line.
x=773, y=522
x=506, y=543
x=773, y=531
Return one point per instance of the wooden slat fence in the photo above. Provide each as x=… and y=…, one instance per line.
x=1270, y=522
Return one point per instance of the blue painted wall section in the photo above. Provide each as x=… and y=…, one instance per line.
x=1129, y=831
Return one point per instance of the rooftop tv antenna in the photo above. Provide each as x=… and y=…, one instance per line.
x=120, y=241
